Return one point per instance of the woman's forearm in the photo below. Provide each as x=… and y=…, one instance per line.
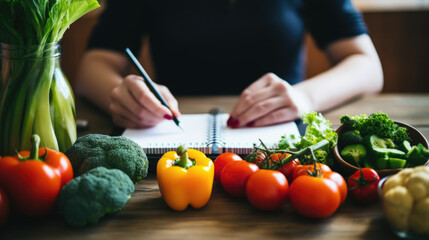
x=98, y=74
x=353, y=75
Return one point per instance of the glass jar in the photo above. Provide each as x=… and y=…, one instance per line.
x=35, y=98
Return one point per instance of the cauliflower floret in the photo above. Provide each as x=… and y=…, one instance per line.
x=404, y=174
x=418, y=185
x=392, y=182
x=399, y=211
x=419, y=218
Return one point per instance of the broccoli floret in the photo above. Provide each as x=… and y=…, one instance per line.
x=400, y=134
x=354, y=154
x=352, y=123
x=94, y=150
x=377, y=123
x=351, y=137
x=87, y=198
x=324, y=157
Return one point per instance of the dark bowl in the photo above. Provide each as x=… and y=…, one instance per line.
x=348, y=169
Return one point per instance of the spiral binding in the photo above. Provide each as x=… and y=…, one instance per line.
x=161, y=148
x=215, y=133
x=215, y=142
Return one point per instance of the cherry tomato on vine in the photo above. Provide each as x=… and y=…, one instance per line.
x=4, y=207
x=221, y=161
x=302, y=169
x=267, y=189
x=235, y=175
x=339, y=180
x=276, y=156
x=314, y=197
x=289, y=168
x=259, y=159
x=363, y=185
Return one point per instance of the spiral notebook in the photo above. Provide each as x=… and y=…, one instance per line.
x=209, y=134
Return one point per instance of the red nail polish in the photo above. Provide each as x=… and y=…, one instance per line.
x=235, y=123
x=168, y=117
x=250, y=124
x=230, y=120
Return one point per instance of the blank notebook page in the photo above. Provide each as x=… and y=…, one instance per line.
x=238, y=140
x=167, y=136
x=200, y=133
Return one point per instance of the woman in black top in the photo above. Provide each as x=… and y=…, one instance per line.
x=202, y=47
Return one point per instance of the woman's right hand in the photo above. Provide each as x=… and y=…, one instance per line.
x=133, y=105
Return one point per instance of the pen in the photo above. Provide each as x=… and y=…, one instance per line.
x=150, y=84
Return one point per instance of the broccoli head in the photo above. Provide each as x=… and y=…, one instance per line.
x=94, y=150
x=87, y=198
x=377, y=123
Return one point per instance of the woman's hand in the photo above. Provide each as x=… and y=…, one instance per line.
x=269, y=100
x=133, y=105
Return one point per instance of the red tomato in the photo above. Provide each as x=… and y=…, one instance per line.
x=314, y=197
x=339, y=180
x=276, y=156
x=302, y=169
x=267, y=189
x=221, y=161
x=289, y=168
x=4, y=207
x=234, y=177
x=363, y=185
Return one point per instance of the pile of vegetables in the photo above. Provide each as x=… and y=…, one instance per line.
x=268, y=177
x=269, y=189
x=108, y=167
x=406, y=200
x=35, y=96
x=297, y=171
x=377, y=142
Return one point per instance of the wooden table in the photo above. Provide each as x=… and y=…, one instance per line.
x=147, y=217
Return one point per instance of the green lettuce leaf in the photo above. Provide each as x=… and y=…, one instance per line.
x=318, y=129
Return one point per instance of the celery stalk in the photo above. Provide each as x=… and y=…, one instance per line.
x=35, y=95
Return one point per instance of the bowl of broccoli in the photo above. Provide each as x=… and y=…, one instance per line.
x=377, y=142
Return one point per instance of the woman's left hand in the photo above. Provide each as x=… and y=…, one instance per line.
x=269, y=100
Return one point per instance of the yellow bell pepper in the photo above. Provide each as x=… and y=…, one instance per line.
x=185, y=178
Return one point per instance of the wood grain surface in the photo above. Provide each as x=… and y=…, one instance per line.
x=146, y=216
